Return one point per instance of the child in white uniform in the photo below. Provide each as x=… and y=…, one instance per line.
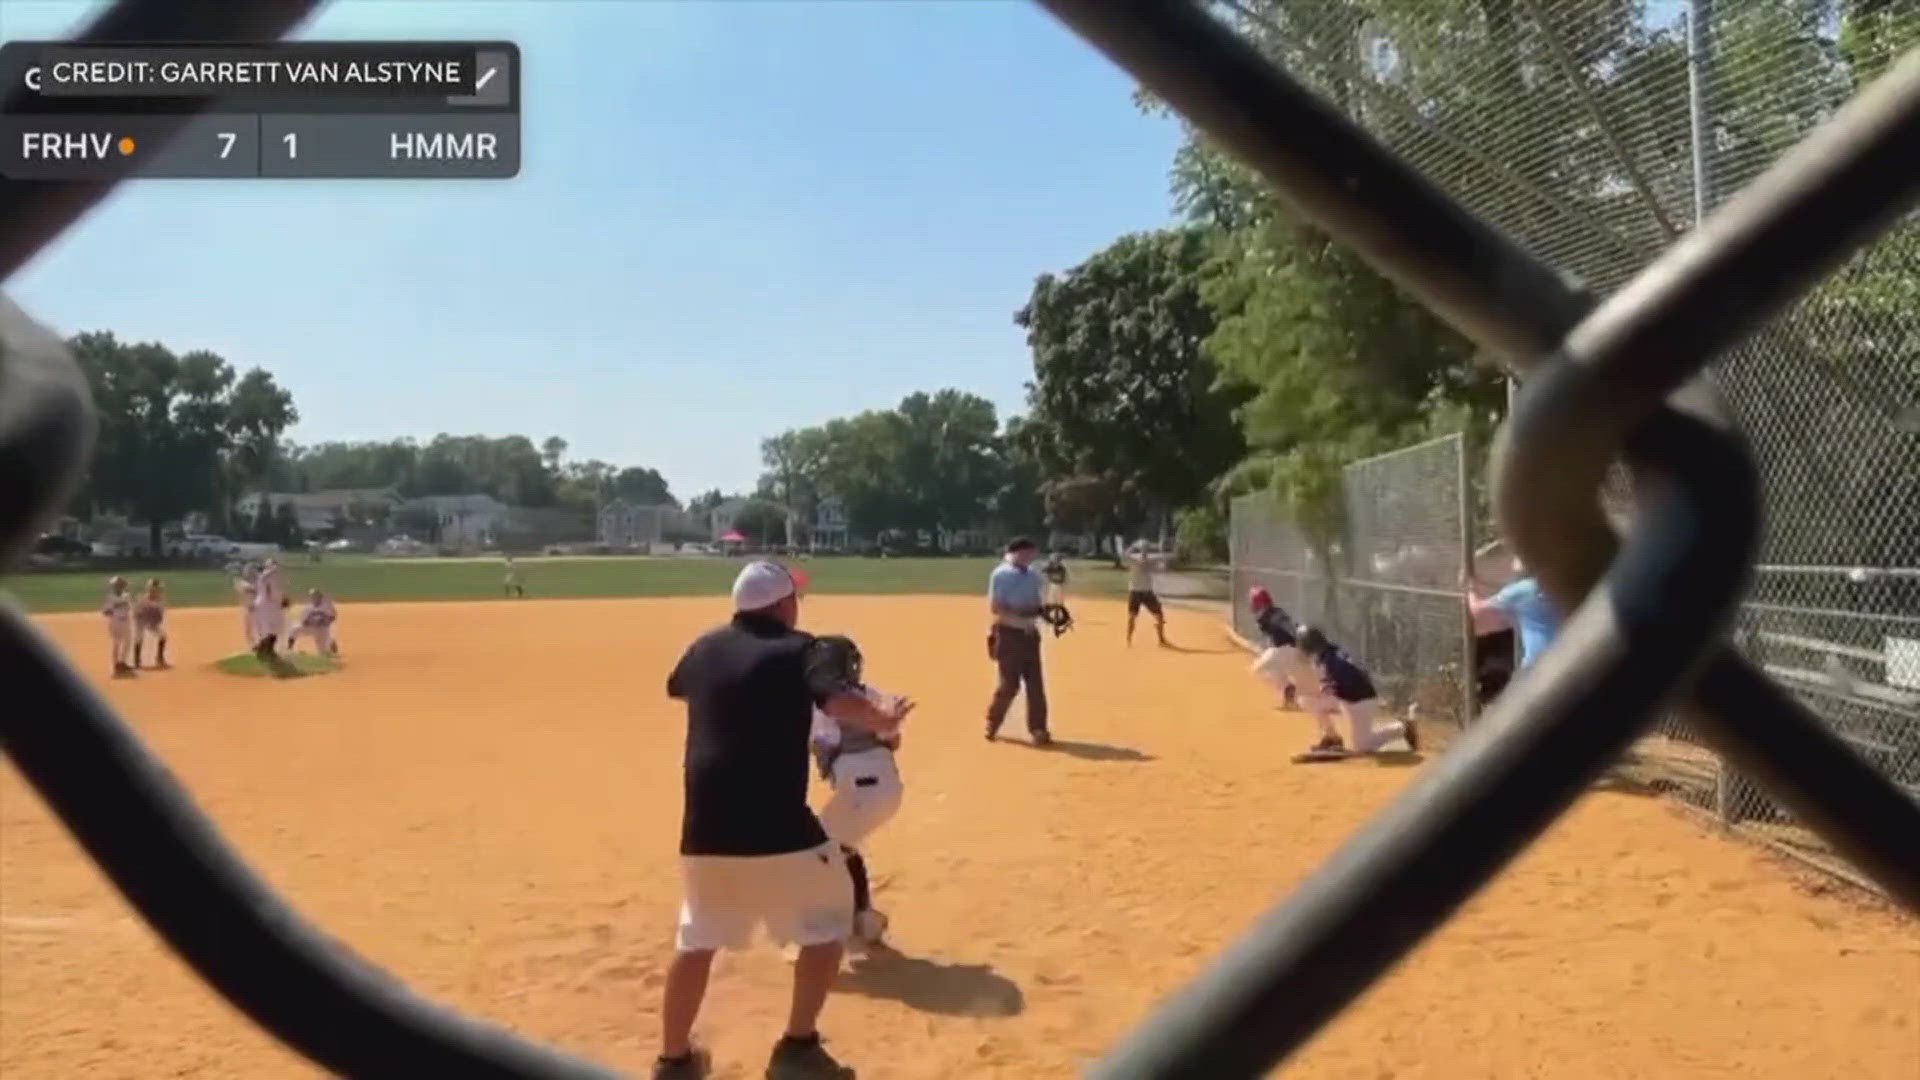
x=119, y=612
x=866, y=788
x=317, y=623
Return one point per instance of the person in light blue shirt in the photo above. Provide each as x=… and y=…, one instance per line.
x=1533, y=612
x=1015, y=596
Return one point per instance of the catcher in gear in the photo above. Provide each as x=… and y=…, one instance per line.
x=865, y=777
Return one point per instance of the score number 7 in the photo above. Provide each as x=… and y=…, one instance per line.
x=228, y=138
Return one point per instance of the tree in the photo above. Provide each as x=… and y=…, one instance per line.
x=1019, y=504
x=174, y=429
x=286, y=526
x=705, y=502
x=1120, y=375
x=553, y=448
x=935, y=462
x=260, y=529
x=762, y=522
x=643, y=486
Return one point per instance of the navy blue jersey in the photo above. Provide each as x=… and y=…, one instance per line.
x=1277, y=625
x=1343, y=678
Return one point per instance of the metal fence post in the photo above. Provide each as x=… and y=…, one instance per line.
x=1700, y=138
x=1470, y=676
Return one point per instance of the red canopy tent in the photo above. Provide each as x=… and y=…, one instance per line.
x=733, y=536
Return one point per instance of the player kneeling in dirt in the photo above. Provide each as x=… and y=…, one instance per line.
x=866, y=782
x=317, y=623
x=1347, y=687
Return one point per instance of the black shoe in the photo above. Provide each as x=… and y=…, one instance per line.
x=1330, y=744
x=695, y=1066
x=993, y=732
x=1042, y=738
x=804, y=1059
x=1411, y=732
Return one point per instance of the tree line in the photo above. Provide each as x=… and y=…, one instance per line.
x=186, y=433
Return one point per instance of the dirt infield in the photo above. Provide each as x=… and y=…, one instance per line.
x=485, y=801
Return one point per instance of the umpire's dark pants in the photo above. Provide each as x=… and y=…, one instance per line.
x=1016, y=653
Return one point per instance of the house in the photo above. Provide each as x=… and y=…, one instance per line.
x=830, y=524
x=319, y=511
x=626, y=524
x=465, y=521
x=720, y=521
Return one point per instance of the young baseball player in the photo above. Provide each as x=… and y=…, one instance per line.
x=247, y=586
x=1142, y=564
x=866, y=785
x=511, y=581
x=150, y=617
x=317, y=623
x=1352, y=692
x=1055, y=571
x=119, y=613
x=1284, y=667
x=269, y=610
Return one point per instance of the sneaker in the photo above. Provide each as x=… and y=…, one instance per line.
x=1410, y=731
x=695, y=1066
x=869, y=929
x=993, y=732
x=804, y=1059
x=1329, y=744
x=1042, y=738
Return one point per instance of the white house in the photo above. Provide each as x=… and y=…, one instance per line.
x=830, y=524
x=720, y=521
x=632, y=525
x=466, y=521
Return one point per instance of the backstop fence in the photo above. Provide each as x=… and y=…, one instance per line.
x=1596, y=133
x=1387, y=588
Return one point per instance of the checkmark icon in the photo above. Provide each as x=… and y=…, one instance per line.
x=485, y=78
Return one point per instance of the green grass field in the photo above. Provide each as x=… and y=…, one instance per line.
x=350, y=579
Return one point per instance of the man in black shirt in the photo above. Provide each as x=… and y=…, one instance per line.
x=752, y=852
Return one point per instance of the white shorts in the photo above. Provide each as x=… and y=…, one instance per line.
x=1366, y=733
x=1283, y=666
x=866, y=795
x=802, y=898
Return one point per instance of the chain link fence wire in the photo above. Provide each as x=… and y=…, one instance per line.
x=1595, y=132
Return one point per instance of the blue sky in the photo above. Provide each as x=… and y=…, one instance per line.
x=732, y=217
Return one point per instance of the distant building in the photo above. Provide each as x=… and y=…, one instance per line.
x=634, y=525
x=318, y=511
x=720, y=521
x=466, y=521
x=830, y=524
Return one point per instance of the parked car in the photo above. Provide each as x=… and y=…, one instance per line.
x=61, y=547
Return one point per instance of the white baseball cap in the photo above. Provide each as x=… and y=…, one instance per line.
x=763, y=583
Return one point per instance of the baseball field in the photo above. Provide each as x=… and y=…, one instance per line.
x=484, y=800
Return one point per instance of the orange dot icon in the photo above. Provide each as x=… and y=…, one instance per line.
x=126, y=145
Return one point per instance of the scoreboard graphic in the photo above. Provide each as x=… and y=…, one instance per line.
x=311, y=110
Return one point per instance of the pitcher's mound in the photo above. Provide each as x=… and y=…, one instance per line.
x=283, y=666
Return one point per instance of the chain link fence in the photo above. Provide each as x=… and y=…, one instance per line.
x=1597, y=132
x=1388, y=587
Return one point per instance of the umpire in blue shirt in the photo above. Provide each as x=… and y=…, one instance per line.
x=1014, y=595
